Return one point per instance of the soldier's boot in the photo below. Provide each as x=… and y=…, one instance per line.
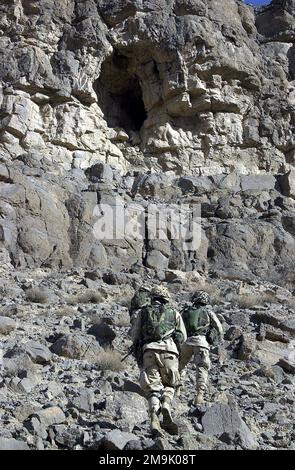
x=154, y=409
x=168, y=424
x=200, y=397
x=155, y=425
x=178, y=391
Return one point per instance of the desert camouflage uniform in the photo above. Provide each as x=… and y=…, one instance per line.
x=159, y=374
x=198, y=348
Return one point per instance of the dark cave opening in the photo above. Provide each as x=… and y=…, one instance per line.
x=132, y=111
x=119, y=95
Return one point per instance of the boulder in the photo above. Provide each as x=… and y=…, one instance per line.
x=233, y=333
x=157, y=260
x=18, y=364
x=258, y=182
x=247, y=347
x=195, y=184
x=129, y=408
x=12, y=444
x=50, y=416
x=100, y=171
x=117, y=440
x=288, y=362
x=76, y=346
x=224, y=422
x=25, y=385
x=39, y=353
x=287, y=182
x=7, y=325
x=104, y=334
x=68, y=436
x=83, y=400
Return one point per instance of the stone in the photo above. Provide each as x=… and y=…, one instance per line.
x=130, y=386
x=76, y=346
x=7, y=325
x=117, y=440
x=18, y=364
x=273, y=334
x=129, y=408
x=133, y=445
x=233, y=333
x=288, y=362
x=100, y=171
x=12, y=444
x=50, y=416
x=247, y=347
x=83, y=400
x=239, y=319
x=24, y=385
x=24, y=410
x=257, y=182
x=67, y=437
x=104, y=334
x=157, y=260
x=79, y=324
x=273, y=372
x=287, y=182
x=111, y=108
x=223, y=421
x=195, y=184
x=39, y=353
x=197, y=134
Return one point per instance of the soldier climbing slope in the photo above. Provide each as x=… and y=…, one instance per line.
x=157, y=334
x=203, y=330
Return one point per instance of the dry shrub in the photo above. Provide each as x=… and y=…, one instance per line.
x=108, y=359
x=250, y=300
x=37, y=295
x=123, y=296
x=86, y=297
x=65, y=311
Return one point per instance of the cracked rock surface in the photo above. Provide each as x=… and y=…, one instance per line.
x=157, y=101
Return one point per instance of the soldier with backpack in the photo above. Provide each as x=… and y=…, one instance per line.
x=203, y=330
x=157, y=335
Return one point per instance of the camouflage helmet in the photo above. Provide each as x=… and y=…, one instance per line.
x=201, y=297
x=161, y=291
x=144, y=288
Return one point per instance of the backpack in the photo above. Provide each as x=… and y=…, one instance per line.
x=196, y=320
x=157, y=320
x=138, y=301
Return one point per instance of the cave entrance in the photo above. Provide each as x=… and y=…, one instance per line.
x=119, y=94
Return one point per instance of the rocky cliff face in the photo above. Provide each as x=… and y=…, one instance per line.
x=159, y=100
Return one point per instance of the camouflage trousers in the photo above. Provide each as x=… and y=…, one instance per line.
x=201, y=359
x=159, y=375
